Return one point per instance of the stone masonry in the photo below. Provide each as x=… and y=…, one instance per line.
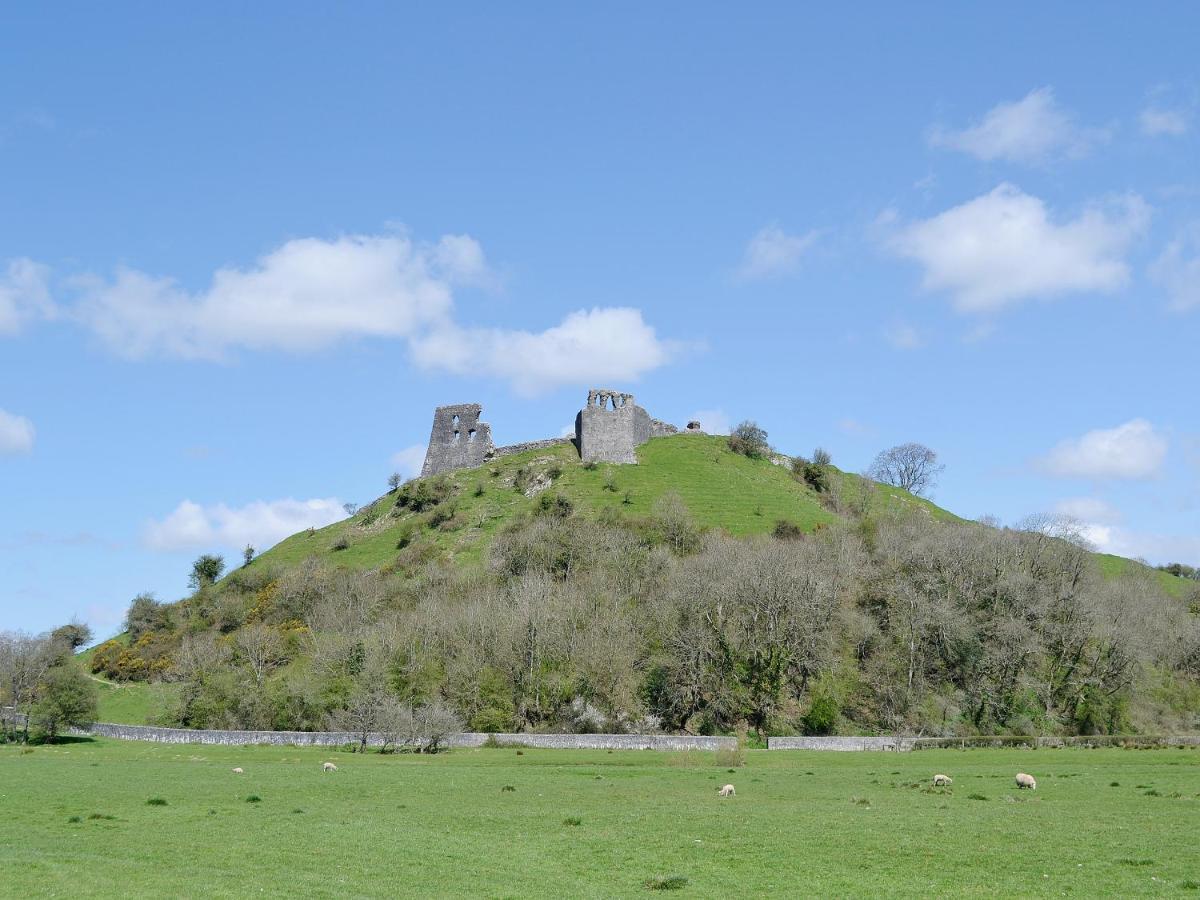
x=458, y=440
x=609, y=428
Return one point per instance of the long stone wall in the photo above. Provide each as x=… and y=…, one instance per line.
x=467, y=739
x=669, y=742
x=906, y=744
x=837, y=743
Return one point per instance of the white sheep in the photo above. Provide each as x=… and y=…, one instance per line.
x=1026, y=781
x=237, y=771
x=329, y=767
x=942, y=780
x=726, y=791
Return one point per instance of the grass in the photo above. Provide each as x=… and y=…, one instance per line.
x=443, y=825
x=722, y=489
x=1116, y=566
x=130, y=703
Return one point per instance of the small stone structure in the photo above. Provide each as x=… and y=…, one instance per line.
x=458, y=440
x=609, y=428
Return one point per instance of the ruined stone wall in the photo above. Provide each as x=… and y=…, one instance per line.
x=611, y=427
x=458, y=440
x=532, y=445
x=659, y=428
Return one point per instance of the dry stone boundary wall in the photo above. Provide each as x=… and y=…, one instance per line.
x=467, y=739
x=670, y=742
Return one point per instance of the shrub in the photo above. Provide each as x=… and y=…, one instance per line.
x=254, y=798
x=731, y=758
x=667, y=883
x=423, y=493
x=788, y=531
x=491, y=720
x=821, y=457
x=823, y=714
x=478, y=492
x=816, y=477
x=443, y=517
x=749, y=440
x=342, y=543
x=558, y=505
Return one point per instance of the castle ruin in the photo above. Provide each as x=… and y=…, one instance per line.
x=609, y=428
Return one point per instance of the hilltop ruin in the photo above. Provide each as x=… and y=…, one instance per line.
x=609, y=428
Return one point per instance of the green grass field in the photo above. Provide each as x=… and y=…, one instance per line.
x=593, y=824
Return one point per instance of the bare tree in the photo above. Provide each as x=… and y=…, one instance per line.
x=261, y=648
x=370, y=710
x=911, y=466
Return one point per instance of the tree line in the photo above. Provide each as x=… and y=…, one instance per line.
x=889, y=620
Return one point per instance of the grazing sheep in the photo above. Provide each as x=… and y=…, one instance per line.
x=1026, y=781
x=329, y=767
x=726, y=791
x=237, y=771
x=942, y=780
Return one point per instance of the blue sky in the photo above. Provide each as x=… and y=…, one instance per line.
x=243, y=254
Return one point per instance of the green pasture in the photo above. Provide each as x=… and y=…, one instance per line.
x=508, y=823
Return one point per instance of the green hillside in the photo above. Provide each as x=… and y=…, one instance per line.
x=721, y=489
x=539, y=592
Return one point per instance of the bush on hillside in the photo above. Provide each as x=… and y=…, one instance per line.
x=423, y=493
x=749, y=440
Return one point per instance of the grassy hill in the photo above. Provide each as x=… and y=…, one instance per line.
x=721, y=489
x=455, y=518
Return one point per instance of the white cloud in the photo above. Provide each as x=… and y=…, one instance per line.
x=597, y=345
x=712, y=421
x=1091, y=510
x=1033, y=129
x=24, y=295
x=1158, y=121
x=310, y=294
x=773, y=252
x=1130, y=451
x=1003, y=247
x=408, y=461
x=261, y=524
x=1177, y=270
x=304, y=296
x=16, y=434
x=1157, y=548
x=903, y=336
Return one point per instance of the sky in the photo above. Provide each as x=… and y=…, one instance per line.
x=245, y=250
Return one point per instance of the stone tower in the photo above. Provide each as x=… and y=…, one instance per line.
x=458, y=440
x=611, y=427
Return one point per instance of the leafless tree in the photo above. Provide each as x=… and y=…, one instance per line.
x=261, y=648
x=911, y=466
